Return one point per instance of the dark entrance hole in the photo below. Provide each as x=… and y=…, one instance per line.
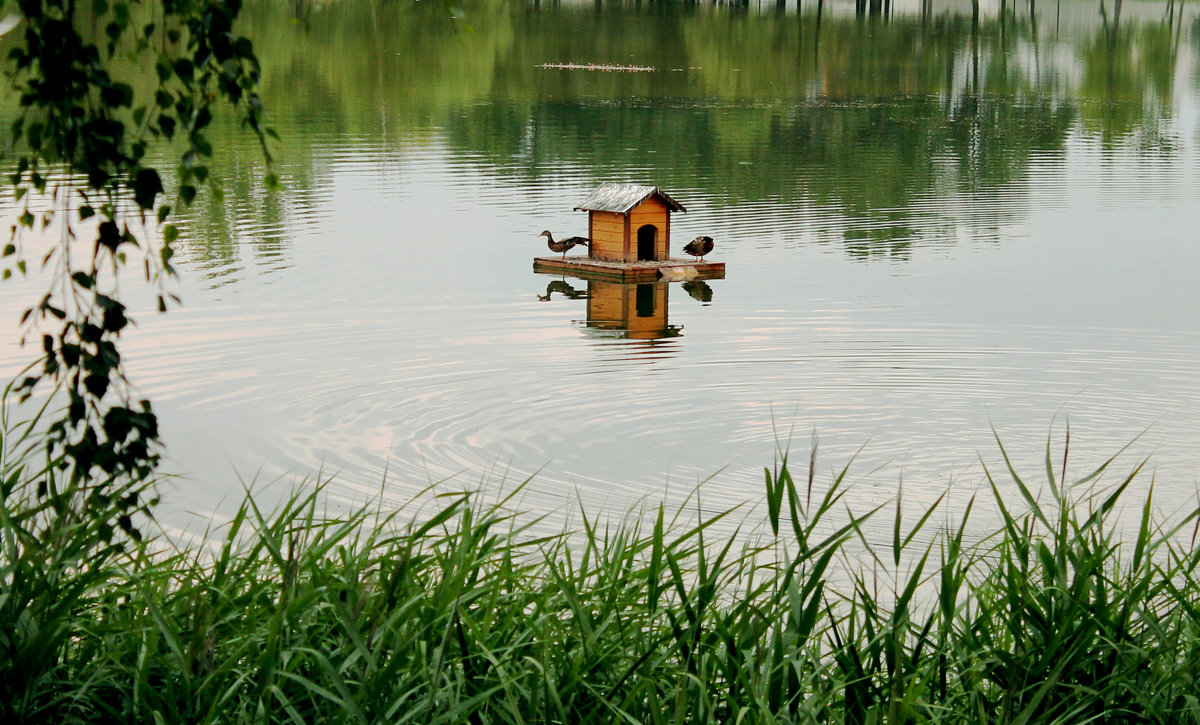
x=646, y=237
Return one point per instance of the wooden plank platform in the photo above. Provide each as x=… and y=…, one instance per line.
x=624, y=271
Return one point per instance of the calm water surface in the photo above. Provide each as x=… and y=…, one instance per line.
x=931, y=230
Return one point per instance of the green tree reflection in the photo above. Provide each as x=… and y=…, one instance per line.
x=867, y=117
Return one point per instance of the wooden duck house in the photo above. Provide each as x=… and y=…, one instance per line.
x=629, y=223
x=629, y=226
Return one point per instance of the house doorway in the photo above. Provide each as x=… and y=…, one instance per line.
x=646, y=238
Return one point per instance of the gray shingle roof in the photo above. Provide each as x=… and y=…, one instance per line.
x=621, y=198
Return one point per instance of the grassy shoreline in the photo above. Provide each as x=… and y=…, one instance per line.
x=464, y=616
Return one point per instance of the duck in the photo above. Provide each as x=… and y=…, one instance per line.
x=563, y=245
x=699, y=247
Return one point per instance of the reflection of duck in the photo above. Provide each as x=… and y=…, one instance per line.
x=699, y=290
x=563, y=245
x=563, y=288
x=699, y=247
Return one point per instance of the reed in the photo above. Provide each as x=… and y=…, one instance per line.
x=465, y=615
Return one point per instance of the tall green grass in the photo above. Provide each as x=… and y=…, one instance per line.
x=465, y=615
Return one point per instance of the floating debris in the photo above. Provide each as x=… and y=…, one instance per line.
x=599, y=66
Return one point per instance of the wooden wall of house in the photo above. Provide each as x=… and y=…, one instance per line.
x=607, y=231
x=652, y=211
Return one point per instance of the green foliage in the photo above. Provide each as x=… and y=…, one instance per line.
x=464, y=613
x=63, y=560
x=88, y=117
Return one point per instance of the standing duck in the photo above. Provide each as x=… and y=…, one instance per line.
x=699, y=247
x=563, y=245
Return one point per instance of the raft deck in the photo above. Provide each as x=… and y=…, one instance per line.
x=625, y=271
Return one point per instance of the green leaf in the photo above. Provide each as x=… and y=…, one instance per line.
x=203, y=118
x=183, y=69
x=116, y=95
x=243, y=48
x=108, y=236
x=114, y=318
x=97, y=385
x=146, y=187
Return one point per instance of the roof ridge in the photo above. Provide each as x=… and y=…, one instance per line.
x=619, y=197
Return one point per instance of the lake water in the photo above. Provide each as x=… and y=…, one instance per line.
x=932, y=229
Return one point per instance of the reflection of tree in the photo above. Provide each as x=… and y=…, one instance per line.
x=243, y=219
x=991, y=138
x=867, y=118
x=1126, y=85
x=871, y=117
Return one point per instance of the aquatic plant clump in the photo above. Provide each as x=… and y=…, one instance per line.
x=465, y=615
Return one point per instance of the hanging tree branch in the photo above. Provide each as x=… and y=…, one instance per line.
x=81, y=140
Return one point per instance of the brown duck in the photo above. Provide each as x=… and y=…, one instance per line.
x=699, y=247
x=563, y=245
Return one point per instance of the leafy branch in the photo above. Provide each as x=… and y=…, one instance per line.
x=81, y=142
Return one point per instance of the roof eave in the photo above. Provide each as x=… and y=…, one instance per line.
x=675, y=206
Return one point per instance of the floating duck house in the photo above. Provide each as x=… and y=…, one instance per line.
x=629, y=226
x=629, y=223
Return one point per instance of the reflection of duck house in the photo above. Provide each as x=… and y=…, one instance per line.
x=635, y=311
x=630, y=230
